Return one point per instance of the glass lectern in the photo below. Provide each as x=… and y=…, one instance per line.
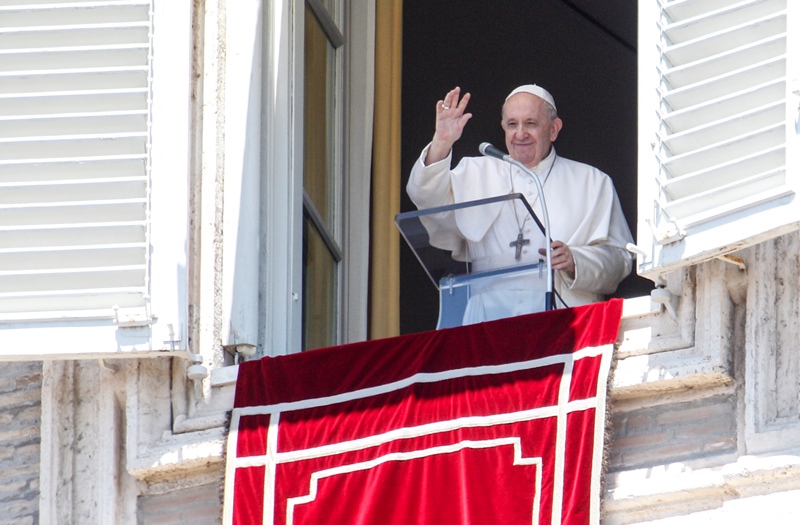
x=482, y=256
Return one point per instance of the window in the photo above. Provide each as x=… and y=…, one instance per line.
x=717, y=128
x=86, y=185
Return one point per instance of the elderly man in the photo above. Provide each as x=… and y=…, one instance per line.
x=589, y=231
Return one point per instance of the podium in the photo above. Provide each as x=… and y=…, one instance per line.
x=482, y=256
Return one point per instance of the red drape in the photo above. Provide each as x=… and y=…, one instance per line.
x=499, y=422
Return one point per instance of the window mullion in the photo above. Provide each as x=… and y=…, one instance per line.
x=328, y=23
x=330, y=242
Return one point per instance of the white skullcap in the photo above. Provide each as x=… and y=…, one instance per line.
x=533, y=89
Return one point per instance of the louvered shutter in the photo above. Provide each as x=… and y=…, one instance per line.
x=717, y=168
x=74, y=139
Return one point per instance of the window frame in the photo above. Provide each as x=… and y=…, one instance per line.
x=328, y=227
x=282, y=174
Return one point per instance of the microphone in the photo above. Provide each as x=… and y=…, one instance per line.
x=488, y=150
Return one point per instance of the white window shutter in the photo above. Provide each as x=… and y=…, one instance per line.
x=93, y=184
x=717, y=128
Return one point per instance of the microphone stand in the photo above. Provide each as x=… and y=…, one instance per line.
x=549, y=302
x=549, y=296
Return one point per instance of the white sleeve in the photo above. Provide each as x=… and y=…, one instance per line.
x=430, y=186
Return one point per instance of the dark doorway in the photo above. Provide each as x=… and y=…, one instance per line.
x=583, y=52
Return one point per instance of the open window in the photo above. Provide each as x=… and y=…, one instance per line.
x=315, y=167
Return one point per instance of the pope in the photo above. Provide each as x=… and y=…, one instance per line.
x=588, y=228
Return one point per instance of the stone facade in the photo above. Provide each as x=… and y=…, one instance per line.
x=704, y=424
x=713, y=440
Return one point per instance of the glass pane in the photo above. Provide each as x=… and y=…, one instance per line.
x=319, y=290
x=319, y=117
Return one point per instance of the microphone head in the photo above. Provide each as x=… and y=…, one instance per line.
x=490, y=151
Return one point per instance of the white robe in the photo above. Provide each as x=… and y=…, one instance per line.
x=584, y=213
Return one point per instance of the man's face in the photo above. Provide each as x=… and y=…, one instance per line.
x=529, y=130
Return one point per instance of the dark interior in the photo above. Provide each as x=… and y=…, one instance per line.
x=583, y=52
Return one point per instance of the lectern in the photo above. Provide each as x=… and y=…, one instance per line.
x=471, y=272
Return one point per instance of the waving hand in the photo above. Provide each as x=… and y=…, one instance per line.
x=450, y=122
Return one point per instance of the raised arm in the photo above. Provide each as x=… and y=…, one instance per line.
x=450, y=122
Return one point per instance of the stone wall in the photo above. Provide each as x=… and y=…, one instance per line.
x=696, y=430
x=200, y=505
x=20, y=437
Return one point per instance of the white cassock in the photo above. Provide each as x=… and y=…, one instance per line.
x=584, y=213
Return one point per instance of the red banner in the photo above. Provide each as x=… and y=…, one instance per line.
x=499, y=422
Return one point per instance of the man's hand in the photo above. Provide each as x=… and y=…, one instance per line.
x=561, y=256
x=450, y=123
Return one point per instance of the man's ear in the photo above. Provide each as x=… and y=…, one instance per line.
x=557, y=125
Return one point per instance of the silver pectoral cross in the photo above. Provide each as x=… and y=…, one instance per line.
x=518, y=244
